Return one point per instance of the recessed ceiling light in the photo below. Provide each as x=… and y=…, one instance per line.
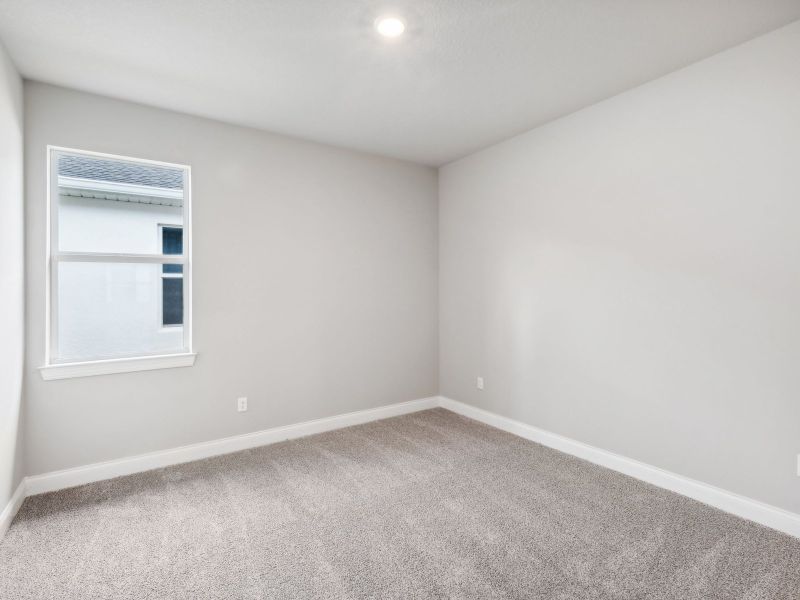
x=390, y=27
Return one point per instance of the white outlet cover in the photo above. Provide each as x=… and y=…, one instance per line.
x=241, y=404
x=480, y=383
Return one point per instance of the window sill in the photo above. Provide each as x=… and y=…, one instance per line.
x=116, y=365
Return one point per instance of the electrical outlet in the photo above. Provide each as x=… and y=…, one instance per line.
x=241, y=404
x=798, y=465
x=480, y=383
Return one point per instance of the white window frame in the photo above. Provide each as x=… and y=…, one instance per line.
x=54, y=369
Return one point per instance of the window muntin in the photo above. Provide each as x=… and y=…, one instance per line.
x=110, y=277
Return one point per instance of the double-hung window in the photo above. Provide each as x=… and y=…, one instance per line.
x=119, y=265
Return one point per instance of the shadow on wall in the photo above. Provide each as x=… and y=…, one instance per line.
x=11, y=278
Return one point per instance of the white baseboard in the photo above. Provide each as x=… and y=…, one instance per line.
x=10, y=510
x=741, y=506
x=57, y=480
x=747, y=508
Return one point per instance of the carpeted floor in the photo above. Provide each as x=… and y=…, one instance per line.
x=429, y=505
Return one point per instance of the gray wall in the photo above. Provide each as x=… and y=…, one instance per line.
x=12, y=316
x=629, y=276
x=314, y=273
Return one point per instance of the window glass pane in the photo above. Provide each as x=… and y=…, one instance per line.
x=172, y=243
x=108, y=310
x=172, y=300
x=115, y=206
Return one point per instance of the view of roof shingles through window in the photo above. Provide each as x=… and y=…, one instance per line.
x=99, y=169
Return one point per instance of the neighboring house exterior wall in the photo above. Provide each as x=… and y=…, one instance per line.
x=112, y=309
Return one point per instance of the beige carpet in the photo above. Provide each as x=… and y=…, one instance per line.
x=429, y=505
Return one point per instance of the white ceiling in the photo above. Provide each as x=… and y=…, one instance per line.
x=468, y=73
